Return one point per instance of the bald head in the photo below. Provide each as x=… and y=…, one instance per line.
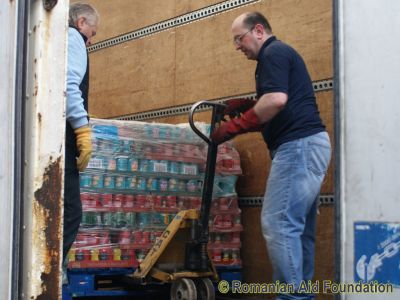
x=250, y=30
x=249, y=20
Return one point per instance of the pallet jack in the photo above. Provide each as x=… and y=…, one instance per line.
x=180, y=255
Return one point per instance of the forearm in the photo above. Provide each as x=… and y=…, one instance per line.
x=269, y=105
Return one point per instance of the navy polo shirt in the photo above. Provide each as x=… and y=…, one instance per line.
x=281, y=69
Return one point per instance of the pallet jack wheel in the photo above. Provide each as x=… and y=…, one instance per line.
x=183, y=289
x=205, y=289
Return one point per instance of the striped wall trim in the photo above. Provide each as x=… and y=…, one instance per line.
x=327, y=199
x=171, y=23
x=320, y=85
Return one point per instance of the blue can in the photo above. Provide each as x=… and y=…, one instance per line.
x=122, y=163
x=144, y=165
x=131, y=182
x=162, y=132
x=174, y=167
x=85, y=180
x=120, y=182
x=152, y=184
x=141, y=184
x=109, y=181
x=97, y=181
x=124, y=146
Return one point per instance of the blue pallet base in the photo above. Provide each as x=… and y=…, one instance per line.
x=85, y=282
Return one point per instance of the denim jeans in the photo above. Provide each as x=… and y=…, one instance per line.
x=289, y=211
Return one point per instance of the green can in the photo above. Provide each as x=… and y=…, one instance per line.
x=108, y=219
x=88, y=219
x=144, y=219
x=130, y=218
x=120, y=219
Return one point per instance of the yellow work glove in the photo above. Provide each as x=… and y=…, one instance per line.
x=84, y=144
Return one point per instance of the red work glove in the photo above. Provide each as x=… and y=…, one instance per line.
x=239, y=105
x=248, y=122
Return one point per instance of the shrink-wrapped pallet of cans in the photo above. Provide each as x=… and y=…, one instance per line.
x=140, y=175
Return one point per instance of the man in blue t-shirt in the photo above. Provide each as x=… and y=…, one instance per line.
x=286, y=114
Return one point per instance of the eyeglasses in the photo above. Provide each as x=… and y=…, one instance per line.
x=237, y=40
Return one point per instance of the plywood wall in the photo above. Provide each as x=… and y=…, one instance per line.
x=197, y=61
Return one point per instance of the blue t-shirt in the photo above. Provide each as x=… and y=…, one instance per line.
x=281, y=69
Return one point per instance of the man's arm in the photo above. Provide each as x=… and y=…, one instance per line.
x=76, y=69
x=269, y=105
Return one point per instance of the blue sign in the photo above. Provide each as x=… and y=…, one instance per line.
x=377, y=252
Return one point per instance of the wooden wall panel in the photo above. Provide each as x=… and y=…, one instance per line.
x=199, y=61
x=187, y=6
x=127, y=79
x=121, y=16
x=207, y=65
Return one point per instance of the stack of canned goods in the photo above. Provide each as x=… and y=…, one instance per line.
x=139, y=177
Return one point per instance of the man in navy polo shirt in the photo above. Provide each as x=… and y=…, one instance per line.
x=287, y=115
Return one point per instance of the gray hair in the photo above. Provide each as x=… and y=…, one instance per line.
x=80, y=9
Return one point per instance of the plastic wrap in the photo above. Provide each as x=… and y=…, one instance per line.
x=139, y=177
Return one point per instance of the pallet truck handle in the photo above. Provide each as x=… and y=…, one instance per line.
x=217, y=111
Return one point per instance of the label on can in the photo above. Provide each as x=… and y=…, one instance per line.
x=160, y=166
x=109, y=181
x=152, y=184
x=163, y=184
x=141, y=184
x=131, y=182
x=97, y=181
x=120, y=182
x=133, y=164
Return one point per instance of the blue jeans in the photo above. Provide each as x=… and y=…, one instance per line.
x=289, y=210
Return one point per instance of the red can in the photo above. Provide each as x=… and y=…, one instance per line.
x=85, y=199
x=228, y=163
x=106, y=253
x=104, y=237
x=223, y=203
x=158, y=200
x=195, y=202
x=95, y=200
x=82, y=254
x=146, y=237
x=218, y=221
x=118, y=199
x=127, y=254
x=227, y=221
x=235, y=237
x=138, y=237
x=140, y=201
x=80, y=240
x=106, y=200
x=217, y=255
x=171, y=201
x=124, y=237
x=149, y=201
x=128, y=201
